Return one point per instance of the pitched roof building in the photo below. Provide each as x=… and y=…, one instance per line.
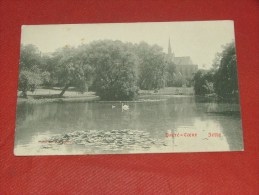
x=183, y=64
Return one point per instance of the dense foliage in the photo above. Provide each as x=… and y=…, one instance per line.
x=170, y=74
x=113, y=69
x=114, y=66
x=29, y=76
x=152, y=66
x=203, y=82
x=222, y=78
x=226, y=84
x=72, y=69
x=28, y=81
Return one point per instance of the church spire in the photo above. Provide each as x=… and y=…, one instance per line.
x=169, y=47
x=170, y=53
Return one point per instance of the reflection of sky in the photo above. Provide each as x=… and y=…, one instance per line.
x=178, y=115
x=202, y=142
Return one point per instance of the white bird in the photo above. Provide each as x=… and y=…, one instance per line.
x=124, y=107
x=113, y=106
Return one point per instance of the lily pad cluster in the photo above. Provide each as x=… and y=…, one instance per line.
x=108, y=140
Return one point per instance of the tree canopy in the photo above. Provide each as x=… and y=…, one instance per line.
x=72, y=69
x=226, y=84
x=28, y=81
x=30, y=57
x=152, y=66
x=203, y=82
x=113, y=69
x=222, y=78
x=30, y=63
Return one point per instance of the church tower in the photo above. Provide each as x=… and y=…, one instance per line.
x=169, y=47
x=169, y=52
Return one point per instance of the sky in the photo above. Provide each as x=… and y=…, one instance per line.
x=200, y=40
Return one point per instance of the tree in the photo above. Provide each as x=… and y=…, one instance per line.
x=178, y=80
x=114, y=66
x=171, y=74
x=216, y=61
x=203, y=82
x=222, y=78
x=29, y=74
x=30, y=57
x=72, y=70
x=152, y=66
x=48, y=67
x=28, y=81
x=226, y=84
x=46, y=80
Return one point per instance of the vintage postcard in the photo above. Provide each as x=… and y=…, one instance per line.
x=123, y=88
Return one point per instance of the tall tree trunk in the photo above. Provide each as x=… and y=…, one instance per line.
x=64, y=90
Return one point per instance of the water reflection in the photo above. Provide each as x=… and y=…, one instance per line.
x=178, y=115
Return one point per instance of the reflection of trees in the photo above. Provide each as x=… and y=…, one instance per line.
x=208, y=105
x=21, y=113
x=232, y=130
x=158, y=117
x=184, y=110
x=154, y=117
x=227, y=115
x=32, y=119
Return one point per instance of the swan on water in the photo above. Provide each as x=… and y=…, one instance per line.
x=124, y=107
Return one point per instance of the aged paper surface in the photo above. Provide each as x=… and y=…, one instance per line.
x=125, y=88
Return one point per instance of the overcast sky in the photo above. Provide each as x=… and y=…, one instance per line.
x=199, y=40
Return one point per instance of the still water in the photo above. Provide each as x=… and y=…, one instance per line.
x=183, y=124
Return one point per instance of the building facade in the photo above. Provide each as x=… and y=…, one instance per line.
x=183, y=65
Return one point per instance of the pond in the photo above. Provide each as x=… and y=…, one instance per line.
x=170, y=124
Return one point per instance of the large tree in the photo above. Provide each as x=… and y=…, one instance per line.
x=203, y=82
x=30, y=75
x=72, y=70
x=170, y=73
x=226, y=84
x=28, y=81
x=152, y=66
x=222, y=78
x=114, y=66
x=30, y=57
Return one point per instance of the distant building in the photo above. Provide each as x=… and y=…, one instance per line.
x=183, y=64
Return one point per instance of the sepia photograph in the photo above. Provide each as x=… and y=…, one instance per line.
x=127, y=88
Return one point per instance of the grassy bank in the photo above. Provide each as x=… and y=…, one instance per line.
x=52, y=95
x=169, y=91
